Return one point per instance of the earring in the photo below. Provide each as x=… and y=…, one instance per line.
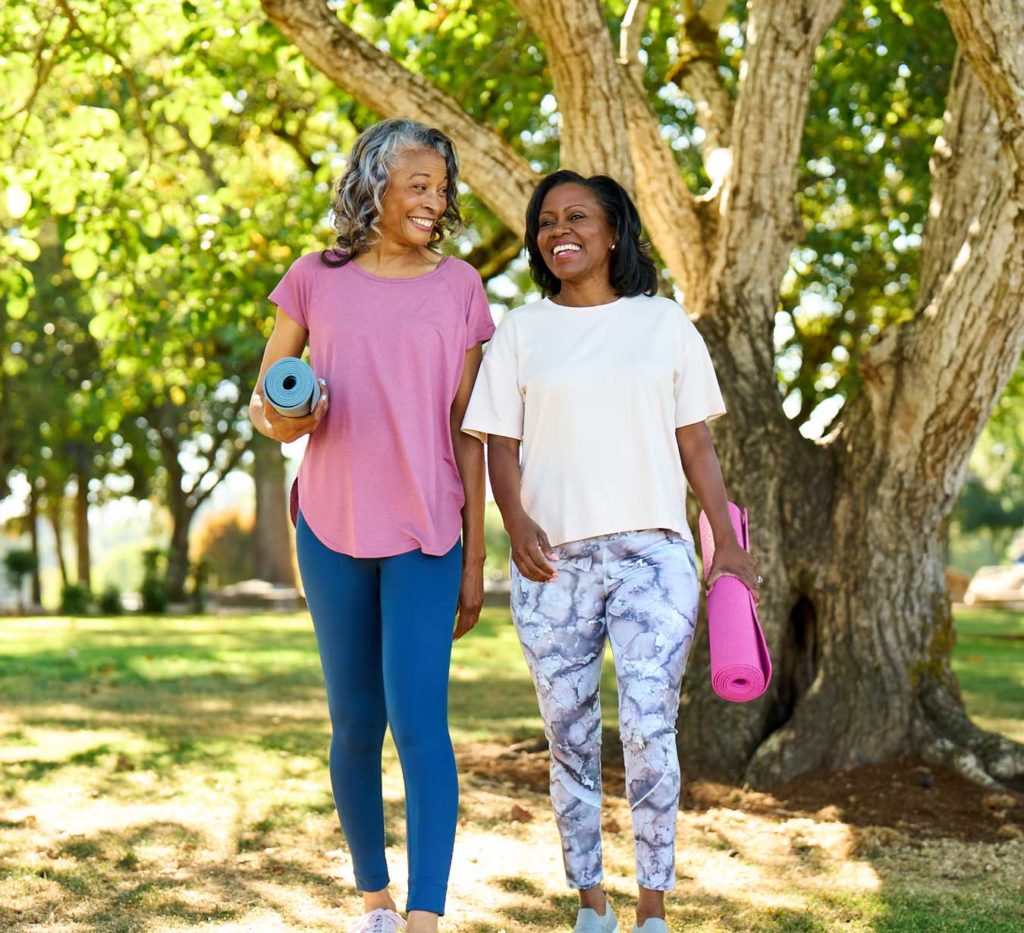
x=612, y=246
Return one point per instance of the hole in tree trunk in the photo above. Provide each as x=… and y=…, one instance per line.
x=796, y=663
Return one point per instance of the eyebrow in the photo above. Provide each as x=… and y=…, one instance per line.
x=567, y=207
x=424, y=174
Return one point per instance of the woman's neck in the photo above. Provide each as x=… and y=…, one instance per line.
x=384, y=257
x=585, y=294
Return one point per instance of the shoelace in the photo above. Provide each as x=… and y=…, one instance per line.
x=380, y=920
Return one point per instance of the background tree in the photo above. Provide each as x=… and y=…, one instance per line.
x=833, y=190
x=850, y=529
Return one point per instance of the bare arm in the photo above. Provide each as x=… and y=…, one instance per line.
x=531, y=550
x=704, y=474
x=469, y=458
x=288, y=339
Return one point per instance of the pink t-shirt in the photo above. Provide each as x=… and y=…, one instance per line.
x=379, y=477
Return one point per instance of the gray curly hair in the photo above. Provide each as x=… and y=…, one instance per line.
x=359, y=193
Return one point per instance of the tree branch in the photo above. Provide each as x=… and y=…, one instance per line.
x=587, y=83
x=696, y=75
x=930, y=385
x=502, y=178
x=990, y=34
x=129, y=78
x=759, y=220
x=631, y=30
x=491, y=257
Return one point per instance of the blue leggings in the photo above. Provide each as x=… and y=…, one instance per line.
x=384, y=628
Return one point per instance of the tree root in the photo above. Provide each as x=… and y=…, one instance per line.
x=955, y=742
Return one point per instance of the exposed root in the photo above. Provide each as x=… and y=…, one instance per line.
x=983, y=757
x=943, y=753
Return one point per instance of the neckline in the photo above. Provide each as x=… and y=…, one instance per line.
x=607, y=304
x=391, y=278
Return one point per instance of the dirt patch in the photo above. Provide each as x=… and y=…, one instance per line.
x=910, y=798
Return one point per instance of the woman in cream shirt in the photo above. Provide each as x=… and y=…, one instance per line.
x=607, y=389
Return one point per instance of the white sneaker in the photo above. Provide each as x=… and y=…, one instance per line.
x=652, y=925
x=380, y=920
x=590, y=921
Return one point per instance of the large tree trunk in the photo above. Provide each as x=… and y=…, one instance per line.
x=849, y=531
x=272, y=541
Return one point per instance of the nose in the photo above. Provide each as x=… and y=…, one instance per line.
x=435, y=202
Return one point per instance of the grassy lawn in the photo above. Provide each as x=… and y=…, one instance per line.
x=171, y=774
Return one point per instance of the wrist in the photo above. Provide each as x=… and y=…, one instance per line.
x=473, y=559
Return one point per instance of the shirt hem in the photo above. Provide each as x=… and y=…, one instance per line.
x=358, y=554
x=612, y=528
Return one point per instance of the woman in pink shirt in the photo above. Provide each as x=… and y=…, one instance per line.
x=390, y=492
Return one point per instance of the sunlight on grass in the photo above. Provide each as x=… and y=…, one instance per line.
x=171, y=774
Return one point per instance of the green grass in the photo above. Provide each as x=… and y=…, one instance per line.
x=989, y=663
x=171, y=773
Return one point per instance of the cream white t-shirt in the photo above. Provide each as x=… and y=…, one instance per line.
x=595, y=395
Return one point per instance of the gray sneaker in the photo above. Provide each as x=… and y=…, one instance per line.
x=652, y=925
x=590, y=921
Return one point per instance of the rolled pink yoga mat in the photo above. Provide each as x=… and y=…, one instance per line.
x=740, y=666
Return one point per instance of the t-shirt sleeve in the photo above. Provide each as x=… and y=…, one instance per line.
x=496, y=405
x=698, y=397
x=479, y=323
x=292, y=293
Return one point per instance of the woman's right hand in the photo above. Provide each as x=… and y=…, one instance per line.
x=531, y=550
x=280, y=427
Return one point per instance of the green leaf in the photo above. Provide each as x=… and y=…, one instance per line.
x=84, y=263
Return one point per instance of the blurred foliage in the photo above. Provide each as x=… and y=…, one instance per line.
x=109, y=603
x=222, y=541
x=163, y=161
x=74, y=599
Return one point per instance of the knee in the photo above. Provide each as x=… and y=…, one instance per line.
x=358, y=731
x=573, y=741
x=419, y=728
x=651, y=732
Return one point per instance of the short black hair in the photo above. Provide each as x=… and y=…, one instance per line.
x=631, y=271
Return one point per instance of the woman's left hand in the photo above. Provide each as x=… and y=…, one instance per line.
x=471, y=599
x=731, y=560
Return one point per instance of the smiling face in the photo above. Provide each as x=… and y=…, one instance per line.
x=573, y=235
x=416, y=197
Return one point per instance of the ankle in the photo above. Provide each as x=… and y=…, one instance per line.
x=650, y=905
x=594, y=898
x=376, y=900
x=422, y=921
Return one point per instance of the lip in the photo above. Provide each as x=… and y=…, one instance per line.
x=420, y=226
x=565, y=254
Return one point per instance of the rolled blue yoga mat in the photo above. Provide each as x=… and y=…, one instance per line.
x=291, y=387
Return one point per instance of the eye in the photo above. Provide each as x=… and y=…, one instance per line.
x=545, y=223
x=578, y=216
x=419, y=187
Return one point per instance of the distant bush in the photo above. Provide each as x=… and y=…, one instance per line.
x=109, y=602
x=19, y=563
x=74, y=599
x=223, y=541
x=154, y=582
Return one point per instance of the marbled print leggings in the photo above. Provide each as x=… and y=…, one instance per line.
x=640, y=590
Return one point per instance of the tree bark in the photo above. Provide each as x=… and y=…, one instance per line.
x=273, y=555
x=849, y=531
x=82, y=551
